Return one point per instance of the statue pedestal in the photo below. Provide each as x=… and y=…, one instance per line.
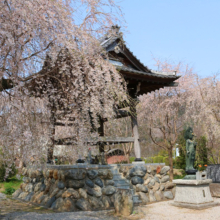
x=194, y=194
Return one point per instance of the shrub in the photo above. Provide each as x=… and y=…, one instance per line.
x=166, y=161
x=160, y=159
x=149, y=160
x=9, y=191
x=163, y=153
x=131, y=159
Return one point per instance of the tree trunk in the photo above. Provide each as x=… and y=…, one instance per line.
x=170, y=151
x=127, y=155
x=51, y=147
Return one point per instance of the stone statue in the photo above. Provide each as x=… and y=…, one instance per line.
x=190, y=151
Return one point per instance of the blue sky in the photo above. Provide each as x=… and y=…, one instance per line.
x=176, y=30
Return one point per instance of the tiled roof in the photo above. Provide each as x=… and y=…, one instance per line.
x=107, y=42
x=110, y=39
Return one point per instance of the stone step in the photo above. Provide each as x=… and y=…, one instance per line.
x=132, y=192
x=121, y=183
x=121, y=180
x=136, y=199
x=123, y=187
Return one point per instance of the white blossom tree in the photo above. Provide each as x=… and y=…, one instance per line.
x=51, y=65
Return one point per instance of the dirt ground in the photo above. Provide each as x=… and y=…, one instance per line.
x=17, y=210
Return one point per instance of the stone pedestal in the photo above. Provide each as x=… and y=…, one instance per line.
x=194, y=194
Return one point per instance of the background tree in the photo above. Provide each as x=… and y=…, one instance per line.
x=204, y=111
x=181, y=159
x=163, y=110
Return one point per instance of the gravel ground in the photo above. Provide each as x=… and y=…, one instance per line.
x=165, y=211
x=155, y=211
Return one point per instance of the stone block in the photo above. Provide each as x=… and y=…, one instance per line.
x=83, y=205
x=95, y=203
x=78, y=174
x=137, y=180
x=138, y=171
x=110, y=182
x=109, y=190
x=71, y=193
x=164, y=170
x=16, y=193
x=92, y=174
x=141, y=188
x=83, y=193
x=98, y=182
x=89, y=183
x=165, y=179
x=151, y=196
x=168, y=194
x=67, y=206
x=76, y=184
x=144, y=198
x=159, y=195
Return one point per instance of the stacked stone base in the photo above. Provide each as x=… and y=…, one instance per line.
x=74, y=189
x=95, y=187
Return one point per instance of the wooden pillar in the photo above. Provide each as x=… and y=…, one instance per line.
x=102, y=145
x=134, y=124
x=50, y=150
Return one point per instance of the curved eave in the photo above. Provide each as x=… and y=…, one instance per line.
x=128, y=72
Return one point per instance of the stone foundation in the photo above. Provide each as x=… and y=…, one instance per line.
x=95, y=187
x=193, y=194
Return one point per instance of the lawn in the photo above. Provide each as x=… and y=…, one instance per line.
x=11, y=183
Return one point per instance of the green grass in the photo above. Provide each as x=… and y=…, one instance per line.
x=10, y=183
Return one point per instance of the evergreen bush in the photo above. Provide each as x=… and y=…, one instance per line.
x=201, y=152
x=166, y=161
x=158, y=159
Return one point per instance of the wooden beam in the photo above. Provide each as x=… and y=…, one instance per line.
x=172, y=84
x=96, y=141
x=66, y=141
x=122, y=113
x=63, y=124
x=111, y=140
